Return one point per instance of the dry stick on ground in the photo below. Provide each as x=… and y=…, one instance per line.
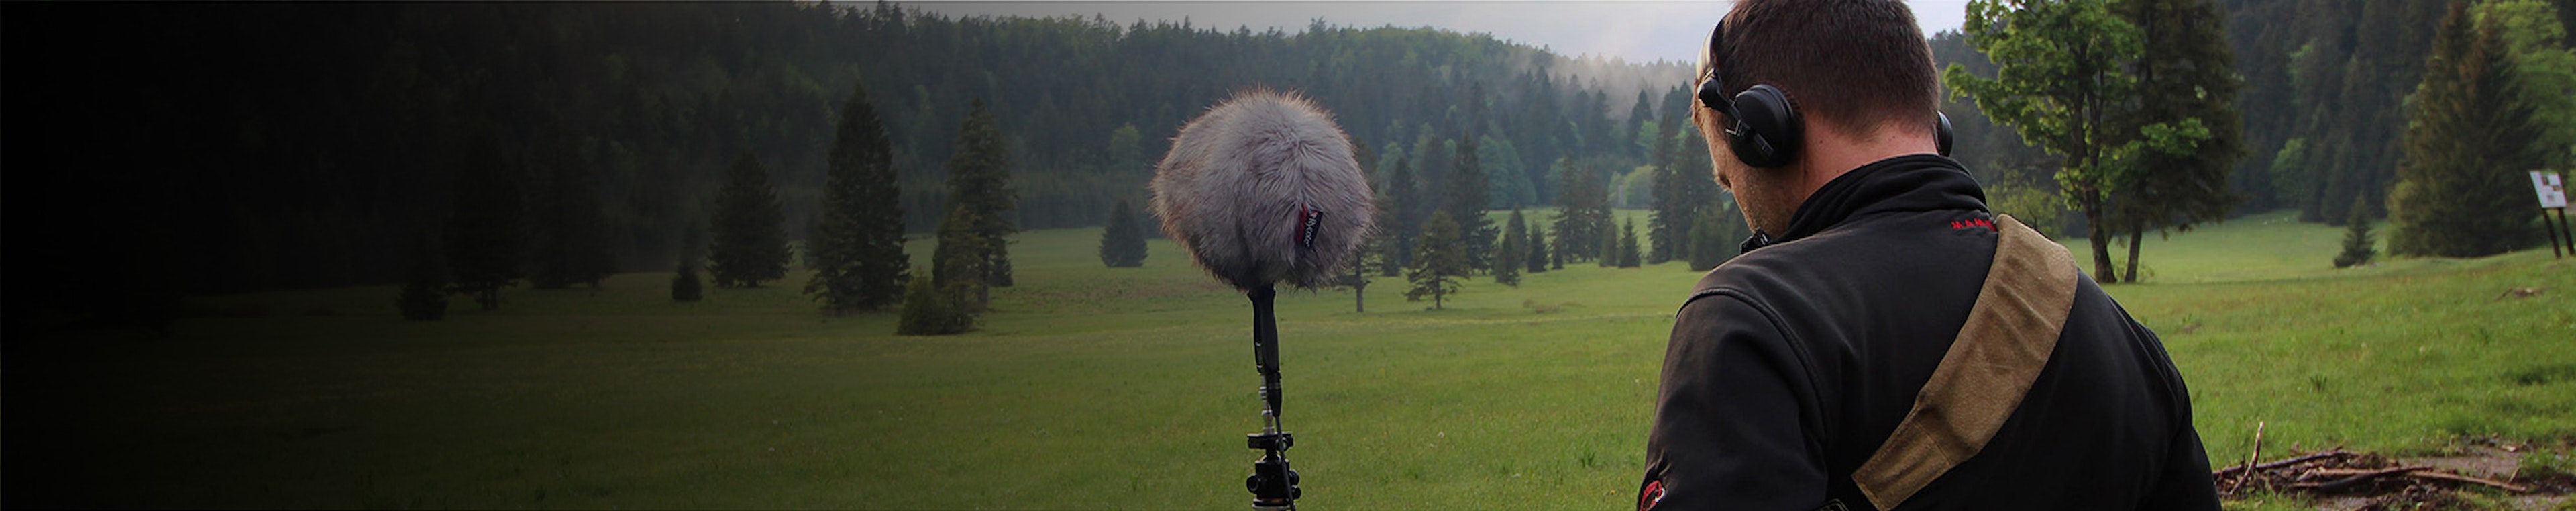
x=2283, y=463
x=2472, y=480
x=2250, y=458
x=2356, y=479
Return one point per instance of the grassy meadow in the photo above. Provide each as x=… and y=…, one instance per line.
x=1102, y=388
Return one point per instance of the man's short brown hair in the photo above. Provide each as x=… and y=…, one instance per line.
x=1850, y=63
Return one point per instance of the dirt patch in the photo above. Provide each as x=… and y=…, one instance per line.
x=2360, y=481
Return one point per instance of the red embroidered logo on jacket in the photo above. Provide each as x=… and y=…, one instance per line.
x=1973, y=222
x=1653, y=493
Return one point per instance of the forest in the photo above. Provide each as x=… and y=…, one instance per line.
x=225, y=148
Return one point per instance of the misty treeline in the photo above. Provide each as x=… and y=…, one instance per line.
x=237, y=147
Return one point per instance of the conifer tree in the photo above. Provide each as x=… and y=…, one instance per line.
x=856, y=243
x=1372, y=258
x=1673, y=208
x=1606, y=251
x=979, y=181
x=569, y=238
x=961, y=264
x=484, y=238
x=750, y=232
x=1537, y=259
x=1508, y=255
x=2469, y=140
x=1628, y=256
x=684, y=282
x=927, y=311
x=1468, y=195
x=424, y=290
x=2358, y=246
x=1122, y=243
x=1710, y=239
x=1404, y=199
x=1438, y=262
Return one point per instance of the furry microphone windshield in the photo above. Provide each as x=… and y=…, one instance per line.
x=1262, y=189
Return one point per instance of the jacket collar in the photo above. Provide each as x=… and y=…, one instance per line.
x=1917, y=182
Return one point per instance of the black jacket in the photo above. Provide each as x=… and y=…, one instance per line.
x=1790, y=364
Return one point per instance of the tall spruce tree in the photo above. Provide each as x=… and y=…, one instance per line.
x=1712, y=238
x=1405, y=199
x=1513, y=251
x=1538, y=250
x=750, y=232
x=856, y=244
x=979, y=181
x=1468, y=196
x=484, y=236
x=1583, y=214
x=424, y=290
x=960, y=266
x=1122, y=243
x=569, y=233
x=1438, y=262
x=1627, y=250
x=2469, y=141
x=1672, y=204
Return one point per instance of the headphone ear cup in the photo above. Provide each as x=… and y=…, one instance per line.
x=1941, y=134
x=1768, y=133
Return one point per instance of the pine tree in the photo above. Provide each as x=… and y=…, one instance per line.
x=1438, y=262
x=1372, y=258
x=927, y=311
x=1606, y=252
x=1468, y=196
x=1405, y=200
x=570, y=239
x=684, y=282
x=2358, y=247
x=1628, y=257
x=856, y=244
x=2469, y=139
x=484, y=237
x=960, y=266
x=424, y=290
x=1122, y=243
x=1538, y=252
x=750, y=232
x=1671, y=204
x=1508, y=256
x=979, y=181
x=1710, y=239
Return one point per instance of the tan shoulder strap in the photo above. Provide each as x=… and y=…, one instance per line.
x=2010, y=332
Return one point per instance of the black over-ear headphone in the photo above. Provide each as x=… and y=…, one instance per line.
x=1761, y=123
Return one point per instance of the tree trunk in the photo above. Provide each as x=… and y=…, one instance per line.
x=2101, y=239
x=1359, y=297
x=2137, y=234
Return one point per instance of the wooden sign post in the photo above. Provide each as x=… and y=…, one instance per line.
x=2553, y=199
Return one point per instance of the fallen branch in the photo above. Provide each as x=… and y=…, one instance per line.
x=2283, y=463
x=2471, y=480
x=2357, y=479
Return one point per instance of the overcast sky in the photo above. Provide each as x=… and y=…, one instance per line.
x=1637, y=31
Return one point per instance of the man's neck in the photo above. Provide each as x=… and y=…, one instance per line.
x=1829, y=153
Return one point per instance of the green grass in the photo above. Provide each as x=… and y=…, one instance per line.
x=1131, y=388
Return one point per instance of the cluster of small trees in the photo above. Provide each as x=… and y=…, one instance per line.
x=1422, y=236
x=854, y=246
